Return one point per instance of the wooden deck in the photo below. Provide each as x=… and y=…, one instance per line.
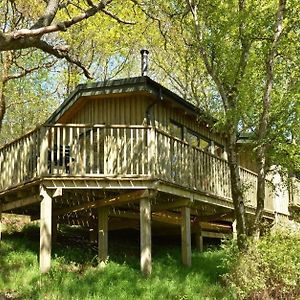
x=99, y=175
x=119, y=152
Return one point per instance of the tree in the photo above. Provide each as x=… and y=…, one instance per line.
x=46, y=26
x=236, y=43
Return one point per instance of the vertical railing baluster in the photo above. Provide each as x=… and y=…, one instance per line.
x=63, y=148
x=91, y=148
x=44, y=152
x=70, y=159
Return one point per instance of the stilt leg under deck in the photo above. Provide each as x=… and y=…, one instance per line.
x=234, y=231
x=186, y=251
x=45, y=231
x=199, y=240
x=54, y=230
x=145, y=236
x=102, y=233
x=0, y=224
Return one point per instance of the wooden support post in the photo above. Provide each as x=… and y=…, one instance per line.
x=0, y=223
x=54, y=229
x=45, y=230
x=145, y=236
x=199, y=239
x=102, y=233
x=234, y=230
x=186, y=251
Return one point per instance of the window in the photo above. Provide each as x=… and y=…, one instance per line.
x=197, y=140
x=204, y=144
x=176, y=129
x=192, y=138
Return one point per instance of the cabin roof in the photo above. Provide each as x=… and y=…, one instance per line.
x=123, y=86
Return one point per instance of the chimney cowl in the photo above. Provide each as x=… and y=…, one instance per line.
x=144, y=62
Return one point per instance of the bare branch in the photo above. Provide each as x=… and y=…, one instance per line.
x=44, y=46
x=48, y=16
x=62, y=26
x=24, y=72
x=90, y=3
x=115, y=17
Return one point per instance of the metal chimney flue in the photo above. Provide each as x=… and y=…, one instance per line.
x=144, y=62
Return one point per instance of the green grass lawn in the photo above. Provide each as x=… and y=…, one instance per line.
x=75, y=274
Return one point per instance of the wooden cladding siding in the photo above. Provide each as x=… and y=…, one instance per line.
x=132, y=110
x=164, y=112
x=246, y=158
x=110, y=110
x=120, y=152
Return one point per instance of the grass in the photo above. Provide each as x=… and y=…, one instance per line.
x=76, y=275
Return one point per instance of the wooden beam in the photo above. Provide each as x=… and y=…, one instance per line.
x=172, y=219
x=214, y=235
x=120, y=224
x=209, y=226
x=122, y=199
x=145, y=236
x=163, y=217
x=216, y=216
x=20, y=203
x=167, y=217
x=45, y=231
x=102, y=233
x=186, y=250
x=171, y=205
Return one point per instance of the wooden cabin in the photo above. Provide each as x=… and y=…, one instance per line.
x=123, y=154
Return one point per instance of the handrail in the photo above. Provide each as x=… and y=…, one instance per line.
x=119, y=150
x=98, y=126
x=21, y=137
x=187, y=144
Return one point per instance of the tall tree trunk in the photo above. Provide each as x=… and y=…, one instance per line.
x=6, y=60
x=261, y=188
x=262, y=131
x=2, y=103
x=237, y=189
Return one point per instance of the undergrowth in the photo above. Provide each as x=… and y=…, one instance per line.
x=269, y=269
x=75, y=273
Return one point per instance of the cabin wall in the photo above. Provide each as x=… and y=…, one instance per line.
x=132, y=110
x=164, y=113
x=117, y=110
x=246, y=158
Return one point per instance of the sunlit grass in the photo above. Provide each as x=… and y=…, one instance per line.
x=76, y=275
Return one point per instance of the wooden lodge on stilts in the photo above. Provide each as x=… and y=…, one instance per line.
x=129, y=153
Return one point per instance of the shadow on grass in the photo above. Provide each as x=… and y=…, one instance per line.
x=75, y=274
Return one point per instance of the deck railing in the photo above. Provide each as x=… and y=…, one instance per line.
x=120, y=151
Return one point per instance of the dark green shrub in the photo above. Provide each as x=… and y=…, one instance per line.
x=270, y=269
